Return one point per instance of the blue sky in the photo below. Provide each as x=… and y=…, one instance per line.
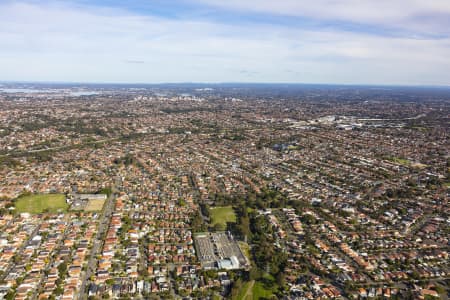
x=403, y=42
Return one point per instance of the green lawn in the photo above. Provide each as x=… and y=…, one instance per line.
x=254, y=290
x=259, y=291
x=400, y=161
x=245, y=293
x=216, y=297
x=40, y=203
x=222, y=215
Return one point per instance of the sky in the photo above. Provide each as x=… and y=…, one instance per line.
x=379, y=42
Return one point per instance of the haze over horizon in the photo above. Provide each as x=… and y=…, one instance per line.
x=109, y=41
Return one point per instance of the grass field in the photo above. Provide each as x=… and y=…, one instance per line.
x=259, y=291
x=40, y=203
x=400, y=161
x=216, y=297
x=246, y=292
x=254, y=290
x=222, y=215
x=94, y=205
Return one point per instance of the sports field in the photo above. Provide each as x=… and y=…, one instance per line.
x=39, y=203
x=94, y=205
x=222, y=215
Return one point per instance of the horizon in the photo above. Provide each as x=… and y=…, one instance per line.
x=213, y=42
x=256, y=84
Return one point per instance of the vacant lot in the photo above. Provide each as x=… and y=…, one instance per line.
x=40, y=203
x=95, y=205
x=222, y=215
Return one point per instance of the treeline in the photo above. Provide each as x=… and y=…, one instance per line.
x=183, y=130
x=106, y=190
x=197, y=223
x=187, y=110
x=267, y=257
x=127, y=160
x=9, y=162
x=268, y=260
x=270, y=197
x=78, y=127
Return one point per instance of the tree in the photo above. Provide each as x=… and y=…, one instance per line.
x=10, y=295
x=254, y=273
x=181, y=202
x=62, y=268
x=197, y=222
x=281, y=279
x=59, y=291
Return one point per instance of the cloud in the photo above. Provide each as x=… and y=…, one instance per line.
x=420, y=16
x=57, y=41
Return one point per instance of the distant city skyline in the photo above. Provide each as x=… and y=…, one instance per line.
x=290, y=41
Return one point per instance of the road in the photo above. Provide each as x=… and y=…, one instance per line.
x=104, y=219
x=58, y=148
